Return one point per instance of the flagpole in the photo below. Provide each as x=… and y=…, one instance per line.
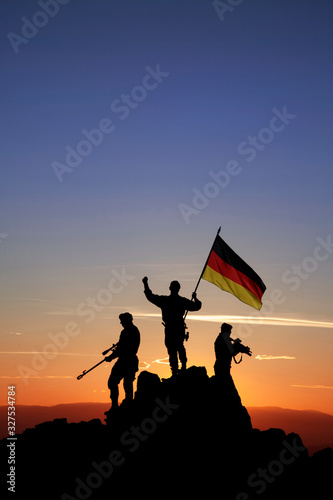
x=204, y=267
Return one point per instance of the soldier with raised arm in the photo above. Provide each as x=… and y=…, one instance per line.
x=173, y=308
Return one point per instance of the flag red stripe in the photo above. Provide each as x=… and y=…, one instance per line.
x=224, y=252
x=232, y=287
x=220, y=266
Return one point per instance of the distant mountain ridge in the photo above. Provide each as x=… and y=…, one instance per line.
x=314, y=427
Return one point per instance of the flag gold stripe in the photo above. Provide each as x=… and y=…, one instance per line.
x=230, y=286
x=229, y=272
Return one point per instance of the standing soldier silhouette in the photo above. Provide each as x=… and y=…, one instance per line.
x=173, y=308
x=127, y=364
x=227, y=348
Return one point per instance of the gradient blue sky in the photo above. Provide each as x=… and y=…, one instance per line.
x=120, y=207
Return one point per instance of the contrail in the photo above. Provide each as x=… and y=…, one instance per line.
x=218, y=318
x=262, y=357
x=313, y=386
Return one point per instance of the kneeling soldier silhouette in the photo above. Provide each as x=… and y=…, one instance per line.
x=128, y=363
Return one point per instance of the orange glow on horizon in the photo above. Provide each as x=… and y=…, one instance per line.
x=276, y=375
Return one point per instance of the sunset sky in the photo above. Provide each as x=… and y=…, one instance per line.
x=204, y=119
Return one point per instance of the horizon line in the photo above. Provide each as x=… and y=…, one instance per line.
x=107, y=403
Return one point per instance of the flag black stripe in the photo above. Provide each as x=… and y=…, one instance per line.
x=230, y=257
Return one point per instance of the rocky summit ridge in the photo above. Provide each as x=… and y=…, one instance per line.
x=187, y=435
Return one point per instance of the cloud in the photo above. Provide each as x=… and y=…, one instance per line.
x=31, y=299
x=145, y=367
x=161, y=361
x=61, y=312
x=313, y=386
x=252, y=320
x=262, y=357
x=15, y=333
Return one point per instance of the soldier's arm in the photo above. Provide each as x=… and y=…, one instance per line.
x=154, y=299
x=146, y=290
x=194, y=304
x=119, y=349
x=110, y=358
x=113, y=355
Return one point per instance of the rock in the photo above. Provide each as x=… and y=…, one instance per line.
x=147, y=386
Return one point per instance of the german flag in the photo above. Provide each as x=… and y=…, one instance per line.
x=225, y=269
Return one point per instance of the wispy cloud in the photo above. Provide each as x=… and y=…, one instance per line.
x=252, y=320
x=145, y=367
x=32, y=299
x=313, y=386
x=15, y=333
x=262, y=357
x=161, y=361
x=61, y=312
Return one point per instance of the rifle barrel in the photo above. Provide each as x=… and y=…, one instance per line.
x=87, y=371
x=112, y=348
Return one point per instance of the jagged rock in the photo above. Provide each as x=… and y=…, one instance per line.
x=147, y=386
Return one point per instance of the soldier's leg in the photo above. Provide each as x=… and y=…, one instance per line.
x=130, y=370
x=113, y=382
x=173, y=358
x=182, y=355
x=114, y=391
x=128, y=386
x=171, y=346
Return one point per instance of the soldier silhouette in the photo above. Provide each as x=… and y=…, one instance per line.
x=173, y=308
x=227, y=348
x=127, y=364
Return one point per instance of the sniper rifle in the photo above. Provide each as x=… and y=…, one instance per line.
x=112, y=348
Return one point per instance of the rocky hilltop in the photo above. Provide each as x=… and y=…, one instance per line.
x=182, y=436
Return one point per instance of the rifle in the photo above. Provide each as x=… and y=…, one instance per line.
x=241, y=348
x=112, y=348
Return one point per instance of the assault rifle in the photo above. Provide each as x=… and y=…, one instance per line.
x=112, y=348
x=240, y=348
